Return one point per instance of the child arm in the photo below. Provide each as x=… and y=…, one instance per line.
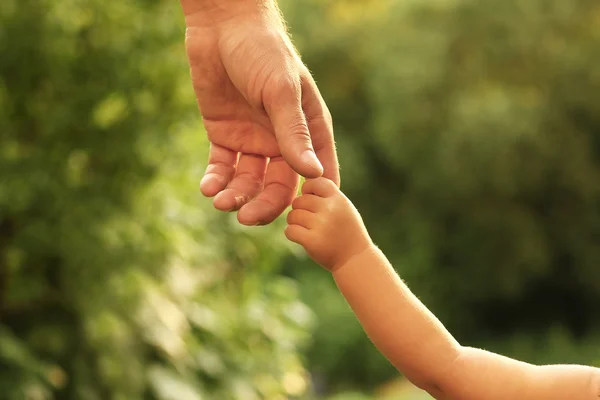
x=498, y=377
x=331, y=230
x=419, y=346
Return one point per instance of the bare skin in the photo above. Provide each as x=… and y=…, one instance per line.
x=262, y=110
x=331, y=230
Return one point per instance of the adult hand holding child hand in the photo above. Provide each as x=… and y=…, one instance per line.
x=267, y=123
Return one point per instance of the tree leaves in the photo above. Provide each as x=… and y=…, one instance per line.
x=117, y=281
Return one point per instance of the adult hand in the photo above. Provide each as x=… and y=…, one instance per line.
x=261, y=108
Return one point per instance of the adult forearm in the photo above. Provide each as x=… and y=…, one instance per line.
x=399, y=325
x=209, y=5
x=203, y=12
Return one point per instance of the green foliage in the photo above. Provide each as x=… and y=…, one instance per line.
x=115, y=281
x=468, y=135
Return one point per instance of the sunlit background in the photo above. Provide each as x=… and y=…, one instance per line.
x=469, y=138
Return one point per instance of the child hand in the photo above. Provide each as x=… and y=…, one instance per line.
x=326, y=224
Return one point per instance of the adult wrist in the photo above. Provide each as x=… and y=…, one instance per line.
x=206, y=13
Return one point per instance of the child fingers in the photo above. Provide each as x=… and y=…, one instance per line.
x=297, y=234
x=308, y=202
x=321, y=187
x=301, y=217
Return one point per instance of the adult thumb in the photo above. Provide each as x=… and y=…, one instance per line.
x=284, y=107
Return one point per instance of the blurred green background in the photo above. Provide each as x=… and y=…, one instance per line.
x=469, y=139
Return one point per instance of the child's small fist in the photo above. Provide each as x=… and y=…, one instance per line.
x=326, y=224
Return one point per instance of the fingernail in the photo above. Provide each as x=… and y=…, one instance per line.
x=252, y=224
x=310, y=158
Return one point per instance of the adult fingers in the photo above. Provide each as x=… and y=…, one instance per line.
x=245, y=186
x=282, y=101
x=221, y=169
x=281, y=185
x=320, y=126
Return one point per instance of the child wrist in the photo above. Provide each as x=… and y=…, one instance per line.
x=352, y=256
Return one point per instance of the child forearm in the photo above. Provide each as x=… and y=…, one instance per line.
x=419, y=346
x=328, y=226
x=399, y=325
x=479, y=374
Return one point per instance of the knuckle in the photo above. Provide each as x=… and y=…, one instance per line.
x=326, y=185
x=298, y=130
x=297, y=124
x=312, y=244
x=280, y=83
x=322, y=181
x=327, y=117
x=284, y=80
x=251, y=179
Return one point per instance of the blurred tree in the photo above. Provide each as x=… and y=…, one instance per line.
x=115, y=282
x=469, y=139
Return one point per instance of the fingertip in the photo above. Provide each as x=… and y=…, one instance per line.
x=225, y=201
x=334, y=176
x=305, y=189
x=212, y=184
x=247, y=219
x=305, y=164
x=289, y=233
x=295, y=203
x=309, y=158
x=321, y=187
x=295, y=233
x=257, y=213
x=287, y=230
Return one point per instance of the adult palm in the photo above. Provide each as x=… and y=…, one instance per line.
x=261, y=108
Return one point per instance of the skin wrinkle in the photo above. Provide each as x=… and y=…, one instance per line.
x=277, y=85
x=200, y=72
x=240, y=200
x=238, y=137
x=208, y=13
x=255, y=182
x=280, y=184
x=241, y=57
x=260, y=57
